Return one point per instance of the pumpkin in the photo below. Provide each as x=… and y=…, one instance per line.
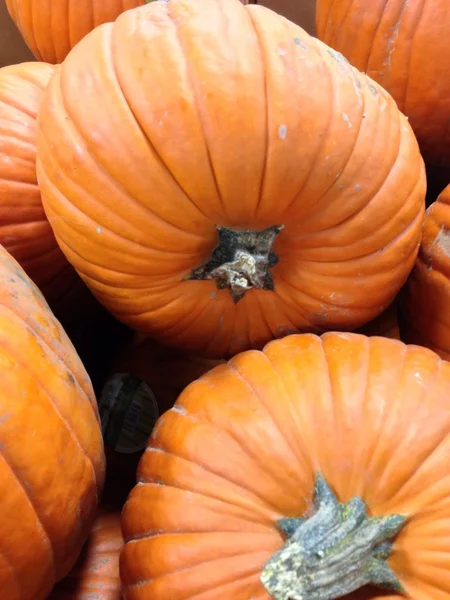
x=386, y=325
x=96, y=574
x=266, y=188
x=52, y=459
x=24, y=229
x=145, y=380
x=425, y=315
x=307, y=470
x=404, y=45
x=51, y=28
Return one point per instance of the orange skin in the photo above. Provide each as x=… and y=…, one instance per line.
x=51, y=456
x=135, y=182
x=405, y=46
x=51, y=28
x=426, y=298
x=24, y=229
x=96, y=574
x=241, y=449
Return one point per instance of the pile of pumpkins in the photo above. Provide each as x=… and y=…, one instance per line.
x=238, y=193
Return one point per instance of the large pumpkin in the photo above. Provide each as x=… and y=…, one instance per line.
x=224, y=506
x=219, y=178
x=24, y=229
x=425, y=301
x=404, y=45
x=96, y=574
x=51, y=28
x=51, y=450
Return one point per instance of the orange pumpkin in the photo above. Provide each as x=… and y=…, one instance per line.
x=24, y=229
x=224, y=507
x=96, y=574
x=51, y=450
x=425, y=301
x=266, y=188
x=404, y=45
x=51, y=28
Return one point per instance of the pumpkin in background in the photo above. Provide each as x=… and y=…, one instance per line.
x=51, y=28
x=266, y=188
x=145, y=380
x=228, y=477
x=96, y=574
x=24, y=229
x=404, y=45
x=51, y=450
x=425, y=301
x=386, y=325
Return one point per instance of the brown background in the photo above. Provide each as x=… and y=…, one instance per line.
x=301, y=12
x=13, y=49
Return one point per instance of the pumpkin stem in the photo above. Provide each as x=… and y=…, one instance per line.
x=333, y=553
x=241, y=261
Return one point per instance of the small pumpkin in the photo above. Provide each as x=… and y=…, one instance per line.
x=24, y=229
x=51, y=28
x=308, y=470
x=404, y=45
x=425, y=301
x=267, y=188
x=51, y=452
x=96, y=574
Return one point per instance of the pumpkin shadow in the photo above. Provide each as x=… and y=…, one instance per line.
x=370, y=592
x=438, y=178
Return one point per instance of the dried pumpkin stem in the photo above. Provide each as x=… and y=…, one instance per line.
x=335, y=552
x=241, y=261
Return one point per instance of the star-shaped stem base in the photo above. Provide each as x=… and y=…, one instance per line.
x=241, y=261
x=333, y=553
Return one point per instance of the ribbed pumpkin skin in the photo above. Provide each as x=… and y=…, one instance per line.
x=51, y=28
x=51, y=450
x=405, y=46
x=241, y=448
x=254, y=124
x=96, y=574
x=24, y=229
x=426, y=298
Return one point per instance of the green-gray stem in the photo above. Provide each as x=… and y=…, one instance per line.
x=335, y=552
x=241, y=261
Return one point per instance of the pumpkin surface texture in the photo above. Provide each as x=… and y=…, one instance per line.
x=425, y=301
x=265, y=188
x=404, y=45
x=51, y=28
x=96, y=574
x=230, y=472
x=51, y=450
x=24, y=229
